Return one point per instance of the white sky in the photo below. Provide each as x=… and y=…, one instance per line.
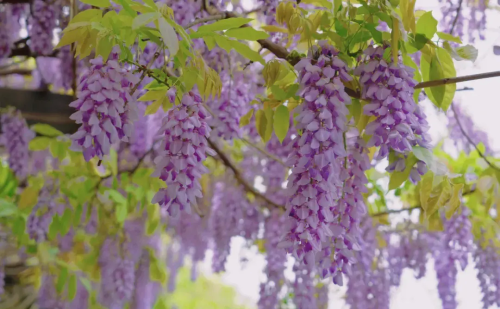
x=483, y=105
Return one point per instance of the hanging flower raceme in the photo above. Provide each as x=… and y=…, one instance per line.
x=232, y=104
x=276, y=259
x=315, y=183
x=42, y=23
x=16, y=137
x=105, y=109
x=487, y=261
x=183, y=149
x=146, y=290
x=336, y=259
x=399, y=123
x=368, y=284
x=303, y=286
x=66, y=68
x=453, y=246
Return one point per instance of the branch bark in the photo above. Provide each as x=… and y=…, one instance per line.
x=15, y=71
x=237, y=174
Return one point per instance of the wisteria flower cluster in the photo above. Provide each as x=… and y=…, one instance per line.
x=16, y=137
x=184, y=147
x=43, y=22
x=105, y=108
x=315, y=183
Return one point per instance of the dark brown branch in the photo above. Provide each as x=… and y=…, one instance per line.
x=26, y=51
x=15, y=1
x=454, y=80
x=237, y=174
x=15, y=71
x=456, y=17
x=471, y=142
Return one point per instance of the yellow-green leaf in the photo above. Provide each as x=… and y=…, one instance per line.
x=438, y=198
x=225, y=24
x=28, y=198
x=455, y=199
x=245, y=120
x=58, y=149
x=144, y=19
x=39, y=143
x=246, y=33
x=448, y=37
x=72, y=285
x=273, y=28
x=426, y=185
x=61, y=279
x=247, y=52
x=169, y=36
x=427, y=25
x=281, y=122
x=408, y=15
x=153, y=107
x=397, y=178
x=46, y=130
x=261, y=123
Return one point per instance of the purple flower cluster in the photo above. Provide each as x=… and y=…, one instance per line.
x=5, y=40
x=400, y=123
x=336, y=259
x=315, y=183
x=16, y=137
x=303, y=286
x=117, y=274
x=146, y=291
x=454, y=245
x=268, y=8
x=322, y=296
x=487, y=260
x=105, y=109
x=475, y=134
x=368, y=285
x=42, y=24
x=66, y=68
x=48, y=297
x=184, y=11
x=2, y=279
x=456, y=16
x=183, y=150
x=142, y=137
x=225, y=221
x=230, y=107
x=276, y=259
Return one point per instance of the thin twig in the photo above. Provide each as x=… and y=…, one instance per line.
x=264, y=152
x=481, y=154
x=145, y=71
x=464, y=89
x=456, y=17
x=459, y=79
x=15, y=71
x=237, y=174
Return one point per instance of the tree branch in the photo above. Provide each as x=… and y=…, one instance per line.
x=282, y=53
x=481, y=154
x=456, y=17
x=237, y=174
x=15, y=71
x=264, y=152
x=205, y=19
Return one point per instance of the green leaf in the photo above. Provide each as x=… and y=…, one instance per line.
x=467, y=52
x=340, y=29
x=18, y=227
x=39, y=143
x=66, y=221
x=72, y=285
x=247, y=52
x=377, y=35
x=58, y=149
x=397, y=178
x=46, y=130
x=223, y=43
x=427, y=25
x=104, y=47
x=426, y=185
x=455, y=202
x=7, y=208
x=430, y=160
x=127, y=7
x=97, y=3
x=439, y=196
x=117, y=197
x=144, y=19
x=224, y=24
x=246, y=33
x=61, y=279
x=245, y=120
x=113, y=162
x=437, y=64
x=448, y=37
x=361, y=36
x=281, y=122
x=121, y=212
x=54, y=227
x=169, y=36
x=28, y=198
